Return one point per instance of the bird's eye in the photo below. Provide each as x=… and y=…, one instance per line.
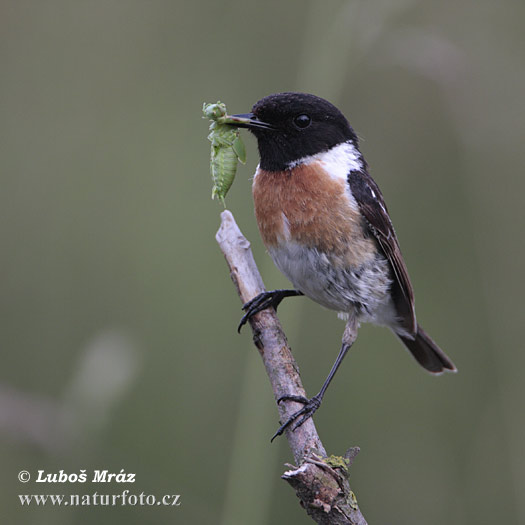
x=302, y=121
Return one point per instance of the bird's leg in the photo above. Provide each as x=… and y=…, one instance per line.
x=265, y=300
x=311, y=405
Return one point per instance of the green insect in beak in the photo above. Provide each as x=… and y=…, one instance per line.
x=227, y=148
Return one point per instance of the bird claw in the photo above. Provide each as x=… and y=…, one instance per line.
x=291, y=397
x=308, y=410
x=263, y=301
x=257, y=304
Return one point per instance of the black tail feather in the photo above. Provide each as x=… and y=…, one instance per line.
x=427, y=353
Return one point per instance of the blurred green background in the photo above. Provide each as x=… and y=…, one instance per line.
x=118, y=315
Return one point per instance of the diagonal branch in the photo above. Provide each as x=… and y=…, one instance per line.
x=321, y=483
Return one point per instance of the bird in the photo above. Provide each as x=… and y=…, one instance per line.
x=325, y=224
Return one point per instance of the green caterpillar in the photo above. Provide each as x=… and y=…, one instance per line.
x=226, y=149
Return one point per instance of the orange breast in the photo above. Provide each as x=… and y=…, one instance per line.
x=307, y=206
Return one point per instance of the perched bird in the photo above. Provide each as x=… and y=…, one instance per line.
x=326, y=226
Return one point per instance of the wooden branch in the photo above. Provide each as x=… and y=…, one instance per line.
x=321, y=482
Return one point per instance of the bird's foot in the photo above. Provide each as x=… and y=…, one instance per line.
x=308, y=410
x=262, y=301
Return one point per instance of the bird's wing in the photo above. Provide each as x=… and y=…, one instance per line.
x=373, y=207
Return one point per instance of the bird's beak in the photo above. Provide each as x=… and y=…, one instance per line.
x=247, y=120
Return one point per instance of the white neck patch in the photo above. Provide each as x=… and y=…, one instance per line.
x=337, y=161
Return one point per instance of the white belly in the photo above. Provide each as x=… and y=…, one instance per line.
x=361, y=291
